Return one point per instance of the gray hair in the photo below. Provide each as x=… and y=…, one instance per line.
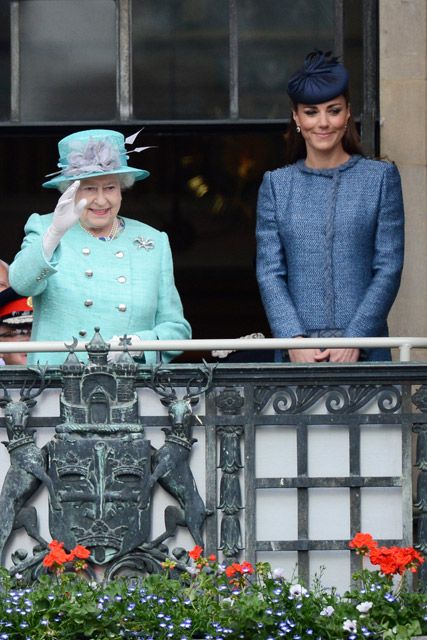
x=126, y=181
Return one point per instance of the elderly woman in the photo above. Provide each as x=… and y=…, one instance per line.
x=86, y=266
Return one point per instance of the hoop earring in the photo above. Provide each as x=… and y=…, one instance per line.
x=298, y=128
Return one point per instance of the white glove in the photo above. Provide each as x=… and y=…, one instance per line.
x=113, y=356
x=223, y=353
x=66, y=214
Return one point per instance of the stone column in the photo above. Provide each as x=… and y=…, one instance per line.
x=403, y=118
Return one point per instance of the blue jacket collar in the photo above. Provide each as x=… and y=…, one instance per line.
x=329, y=172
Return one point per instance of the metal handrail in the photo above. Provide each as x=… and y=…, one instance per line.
x=404, y=344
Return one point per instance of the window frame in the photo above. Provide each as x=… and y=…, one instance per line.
x=124, y=88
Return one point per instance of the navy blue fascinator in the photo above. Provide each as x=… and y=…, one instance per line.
x=321, y=78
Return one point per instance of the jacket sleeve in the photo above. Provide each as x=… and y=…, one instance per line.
x=371, y=314
x=271, y=267
x=30, y=270
x=170, y=323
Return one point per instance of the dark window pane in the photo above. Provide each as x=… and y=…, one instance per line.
x=68, y=59
x=353, y=52
x=180, y=55
x=4, y=61
x=275, y=36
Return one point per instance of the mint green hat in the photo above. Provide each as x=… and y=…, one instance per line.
x=95, y=152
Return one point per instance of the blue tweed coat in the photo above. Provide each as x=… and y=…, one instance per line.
x=330, y=248
x=119, y=286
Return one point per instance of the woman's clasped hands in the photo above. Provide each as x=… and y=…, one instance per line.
x=324, y=355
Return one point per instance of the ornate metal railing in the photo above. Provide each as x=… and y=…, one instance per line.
x=105, y=412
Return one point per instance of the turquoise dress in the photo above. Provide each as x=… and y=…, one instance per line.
x=124, y=286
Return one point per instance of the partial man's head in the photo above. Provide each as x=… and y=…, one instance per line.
x=16, y=317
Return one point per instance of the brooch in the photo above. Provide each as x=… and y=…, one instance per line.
x=141, y=243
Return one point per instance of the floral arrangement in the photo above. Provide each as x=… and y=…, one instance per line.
x=57, y=558
x=210, y=600
x=96, y=155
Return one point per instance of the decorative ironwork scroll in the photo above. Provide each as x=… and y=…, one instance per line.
x=420, y=504
x=337, y=398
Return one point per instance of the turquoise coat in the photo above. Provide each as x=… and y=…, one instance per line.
x=122, y=286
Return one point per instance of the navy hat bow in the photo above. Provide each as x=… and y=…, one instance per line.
x=321, y=78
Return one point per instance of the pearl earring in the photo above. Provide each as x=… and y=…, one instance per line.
x=298, y=129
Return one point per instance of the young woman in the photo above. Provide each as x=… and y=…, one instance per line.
x=329, y=224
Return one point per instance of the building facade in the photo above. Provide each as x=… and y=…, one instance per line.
x=207, y=84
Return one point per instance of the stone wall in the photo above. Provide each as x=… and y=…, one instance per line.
x=403, y=118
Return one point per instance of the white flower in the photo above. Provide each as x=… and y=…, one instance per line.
x=350, y=625
x=278, y=573
x=297, y=591
x=18, y=576
x=193, y=571
x=327, y=611
x=364, y=607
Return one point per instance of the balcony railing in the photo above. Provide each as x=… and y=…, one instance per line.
x=291, y=460
x=403, y=344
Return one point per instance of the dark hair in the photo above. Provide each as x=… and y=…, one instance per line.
x=295, y=147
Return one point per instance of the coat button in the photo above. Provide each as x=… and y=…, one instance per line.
x=85, y=251
x=119, y=254
x=88, y=273
x=88, y=303
x=121, y=307
x=121, y=279
x=82, y=333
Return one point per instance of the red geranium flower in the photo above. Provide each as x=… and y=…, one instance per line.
x=363, y=543
x=232, y=569
x=57, y=556
x=80, y=552
x=247, y=567
x=391, y=560
x=196, y=552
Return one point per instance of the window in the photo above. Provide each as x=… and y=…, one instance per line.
x=181, y=59
x=67, y=57
x=187, y=61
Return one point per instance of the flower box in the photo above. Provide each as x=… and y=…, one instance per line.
x=199, y=598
